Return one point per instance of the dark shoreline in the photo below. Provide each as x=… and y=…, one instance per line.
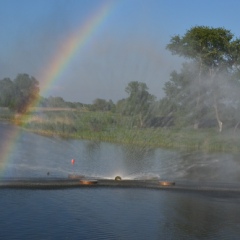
x=65, y=183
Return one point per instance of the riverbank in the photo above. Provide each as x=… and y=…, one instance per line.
x=160, y=138
x=110, y=127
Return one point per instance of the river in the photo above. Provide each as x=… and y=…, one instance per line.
x=113, y=213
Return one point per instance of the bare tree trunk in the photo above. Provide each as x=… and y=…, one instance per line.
x=220, y=124
x=236, y=126
x=196, y=121
x=141, y=120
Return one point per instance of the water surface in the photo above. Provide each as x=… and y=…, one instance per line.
x=114, y=213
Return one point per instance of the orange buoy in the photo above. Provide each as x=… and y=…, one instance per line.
x=73, y=161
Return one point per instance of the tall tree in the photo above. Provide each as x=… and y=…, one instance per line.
x=184, y=93
x=6, y=92
x=100, y=104
x=139, y=101
x=216, y=54
x=57, y=102
x=26, y=92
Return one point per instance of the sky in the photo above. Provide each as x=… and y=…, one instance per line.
x=125, y=43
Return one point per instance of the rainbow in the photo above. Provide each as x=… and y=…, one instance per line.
x=7, y=148
x=56, y=67
x=73, y=45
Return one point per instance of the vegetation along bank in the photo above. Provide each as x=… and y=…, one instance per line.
x=200, y=109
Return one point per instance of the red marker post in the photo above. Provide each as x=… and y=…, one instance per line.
x=73, y=161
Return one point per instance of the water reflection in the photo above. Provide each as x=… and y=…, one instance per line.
x=196, y=216
x=131, y=213
x=35, y=156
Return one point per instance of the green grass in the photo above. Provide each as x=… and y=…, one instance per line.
x=109, y=127
x=6, y=114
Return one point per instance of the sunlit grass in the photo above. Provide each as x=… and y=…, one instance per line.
x=6, y=114
x=110, y=127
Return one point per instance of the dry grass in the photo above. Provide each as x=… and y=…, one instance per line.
x=51, y=109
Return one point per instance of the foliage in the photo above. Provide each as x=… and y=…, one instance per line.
x=215, y=56
x=58, y=102
x=111, y=127
x=6, y=114
x=6, y=92
x=139, y=102
x=100, y=104
x=19, y=94
x=203, y=93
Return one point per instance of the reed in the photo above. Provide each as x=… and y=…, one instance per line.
x=109, y=127
x=6, y=114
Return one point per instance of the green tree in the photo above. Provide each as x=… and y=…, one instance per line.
x=120, y=105
x=233, y=104
x=56, y=102
x=139, y=101
x=111, y=106
x=181, y=91
x=216, y=54
x=6, y=92
x=26, y=91
x=100, y=104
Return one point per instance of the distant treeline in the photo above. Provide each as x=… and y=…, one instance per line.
x=203, y=94
x=58, y=102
